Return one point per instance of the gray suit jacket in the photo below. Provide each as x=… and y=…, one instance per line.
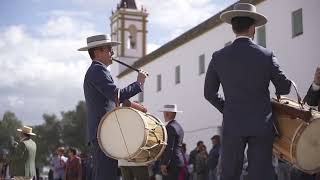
x=244, y=69
x=22, y=161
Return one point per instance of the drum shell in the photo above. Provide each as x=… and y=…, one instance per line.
x=150, y=148
x=299, y=139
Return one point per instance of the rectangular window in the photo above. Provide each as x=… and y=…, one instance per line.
x=177, y=74
x=202, y=66
x=261, y=33
x=297, y=24
x=159, y=82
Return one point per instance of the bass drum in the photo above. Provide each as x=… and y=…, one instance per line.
x=299, y=140
x=126, y=133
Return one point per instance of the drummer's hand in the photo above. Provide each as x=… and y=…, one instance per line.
x=164, y=170
x=317, y=77
x=142, y=76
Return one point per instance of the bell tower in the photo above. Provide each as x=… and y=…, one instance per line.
x=129, y=26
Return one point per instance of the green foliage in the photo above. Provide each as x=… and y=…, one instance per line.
x=69, y=131
x=8, y=127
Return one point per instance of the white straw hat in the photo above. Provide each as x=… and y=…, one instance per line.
x=99, y=40
x=244, y=10
x=170, y=108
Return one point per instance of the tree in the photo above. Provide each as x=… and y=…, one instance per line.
x=70, y=131
x=8, y=128
x=74, y=127
x=48, y=138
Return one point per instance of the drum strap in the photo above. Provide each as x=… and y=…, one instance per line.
x=117, y=100
x=124, y=140
x=298, y=95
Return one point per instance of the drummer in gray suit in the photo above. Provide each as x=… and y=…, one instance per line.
x=245, y=69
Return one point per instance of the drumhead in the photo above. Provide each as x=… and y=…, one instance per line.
x=308, y=147
x=121, y=133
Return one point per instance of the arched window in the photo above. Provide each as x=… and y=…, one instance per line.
x=132, y=39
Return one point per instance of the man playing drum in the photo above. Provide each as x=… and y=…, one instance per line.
x=245, y=69
x=99, y=91
x=313, y=95
x=172, y=159
x=313, y=98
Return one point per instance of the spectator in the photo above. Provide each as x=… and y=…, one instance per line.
x=4, y=165
x=23, y=155
x=192, y=159
x=184, y=174
x=50, y=174
x=73, y=166
x=214, y=155
x=58, y=164
x=202, y=163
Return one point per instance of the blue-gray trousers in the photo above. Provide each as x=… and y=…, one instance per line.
x=259, y=155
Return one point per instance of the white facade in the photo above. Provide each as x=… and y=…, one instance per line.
x=298, y=58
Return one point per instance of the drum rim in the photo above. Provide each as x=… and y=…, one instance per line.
x=299, y=133
x=99, y=131
x=165, y=138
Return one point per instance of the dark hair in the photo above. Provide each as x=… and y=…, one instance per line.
x=91, y=51
x=241, y=24
x=27, y=135
x=199, y=142
x=174, y=114
x=73, y=151
x=215, y=137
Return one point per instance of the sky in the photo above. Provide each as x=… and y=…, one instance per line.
x=41, y=70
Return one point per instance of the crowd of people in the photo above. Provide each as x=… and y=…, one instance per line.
x=199, y=165
x=66, y=168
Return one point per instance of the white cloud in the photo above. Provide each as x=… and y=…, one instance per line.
x=97, y=4
x=15, y=101
x=167, y=19
x=43, y=73
x=178, y=16
x=67, y=24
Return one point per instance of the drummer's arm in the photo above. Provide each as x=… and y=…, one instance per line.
x=169, y=150
x=211, y=87
x=313, y=95
x=103, y=82
x=279, y=80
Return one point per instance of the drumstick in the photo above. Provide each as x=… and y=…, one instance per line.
x=133, y=68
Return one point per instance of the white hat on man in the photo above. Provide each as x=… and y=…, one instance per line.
x=244, y=10
x=170, y=108
x=98, y=41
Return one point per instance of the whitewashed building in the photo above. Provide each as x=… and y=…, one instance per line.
x=177, y=69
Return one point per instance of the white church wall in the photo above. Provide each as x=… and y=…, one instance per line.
x=297, y=56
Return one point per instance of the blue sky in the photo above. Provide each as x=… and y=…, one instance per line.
x=41, y=71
